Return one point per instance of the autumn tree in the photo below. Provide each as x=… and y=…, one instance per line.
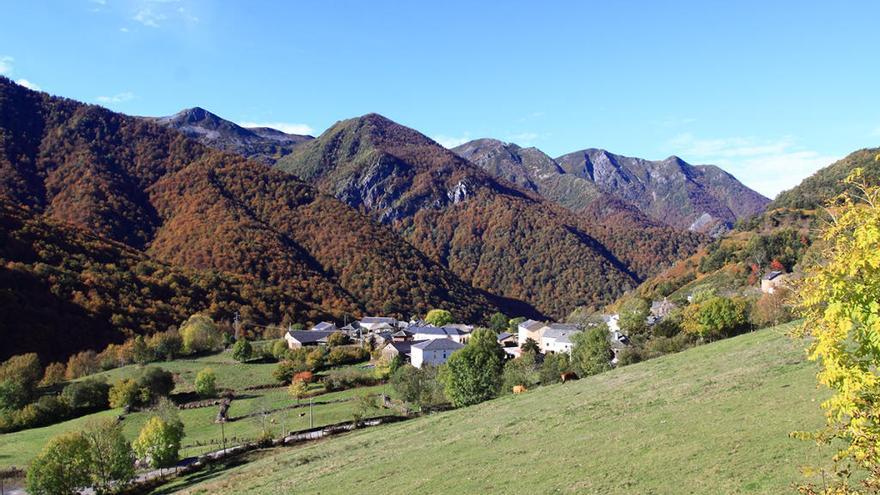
x=158, y=442
x=200, y=334
x=498, y=322
x=838, y=300
x=111, y=463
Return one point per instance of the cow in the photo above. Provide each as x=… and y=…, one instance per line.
x=518, y=389
x=568, y=376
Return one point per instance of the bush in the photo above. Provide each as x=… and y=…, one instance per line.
x=53, y=375
x=242, y=350
x=87, y=395
x=206, y=383
x=473, y=374
x=304, y=377
x=772, y=309
x=347, y=378
x=200, y=334
x=337, y=339
x=152, y=383
x=438, y=317
x=522, y=371
x=166, y=345
x=286, y=369
x=419, y=386
x=716, y=317
x=339, y=356
x=82, y=364
x=279, y=349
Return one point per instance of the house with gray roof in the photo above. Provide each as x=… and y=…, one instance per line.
x=530, y=329
x=448, y=332
x=304, y=338
x=434, y=352
x=324, y=326
x=557, y=338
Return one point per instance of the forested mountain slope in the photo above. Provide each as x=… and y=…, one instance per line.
x=490, y=232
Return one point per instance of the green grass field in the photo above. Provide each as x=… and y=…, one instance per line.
x=714, y=419
x=17, y=449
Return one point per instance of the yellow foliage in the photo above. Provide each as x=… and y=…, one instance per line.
x=840, y=300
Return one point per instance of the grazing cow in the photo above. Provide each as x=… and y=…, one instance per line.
x=568, y=376
x=518, y=389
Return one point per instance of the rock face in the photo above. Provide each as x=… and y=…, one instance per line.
x=671, y=191
x=259, y=143
x=698, y=198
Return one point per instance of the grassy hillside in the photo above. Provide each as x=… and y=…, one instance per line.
x=202, y=433
x=714, y=419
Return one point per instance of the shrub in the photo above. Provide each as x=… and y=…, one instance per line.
x=337, y=339
x=553, y=367
x=521, y=371
x=279, y=349
x=716, y=317
x=473, y=374
x=200, y=334
x=53, y=375
x=304, y=377
x=419, y=386
x=206, y=383
x=166, y=345
x=87, y=395
x=339, y=356
x=347, y=378
x=82, y=364
x=242, y=350
x=285, y=370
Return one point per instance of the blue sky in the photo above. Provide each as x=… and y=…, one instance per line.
x=770, y=90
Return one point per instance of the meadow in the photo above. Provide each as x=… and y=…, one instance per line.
x=712, y=419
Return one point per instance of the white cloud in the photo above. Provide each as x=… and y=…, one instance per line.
x=449, y=142
x=154, y=13
x=6, y=65
x=288, y=127
x=115, y=99
x=148, y=17
x=28, y=84
x=767, y=166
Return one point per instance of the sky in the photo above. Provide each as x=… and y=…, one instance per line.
x=771, y=91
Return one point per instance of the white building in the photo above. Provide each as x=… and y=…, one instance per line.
x=434, y=352
x=530, y=329
x=373, y=324
x=455, y=333
x=557, y=338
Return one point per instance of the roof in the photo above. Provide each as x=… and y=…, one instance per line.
x=438, y=345
x=505, y=336
x=773, y=274
x=461, y=327
x=402, y=333
x=310, y=336
x=531, y=325
x=324, y=325
x=372, y=320
x=567, y=327
x=402, y=347
x=437, y=331
x=560, y=335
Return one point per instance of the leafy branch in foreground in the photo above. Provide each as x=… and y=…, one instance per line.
x=840, y=300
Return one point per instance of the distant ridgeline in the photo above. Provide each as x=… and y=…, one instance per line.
x=778, y=239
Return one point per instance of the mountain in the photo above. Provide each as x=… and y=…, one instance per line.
x=259, y=143
x=695, y=197
x=133, y=181
x=819, y=188
x=64, y=290
x=490, y=232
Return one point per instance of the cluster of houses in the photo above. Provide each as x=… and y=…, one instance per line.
x=420, y=343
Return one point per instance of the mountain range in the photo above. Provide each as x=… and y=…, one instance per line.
x=701, y=198
x=369, y=217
